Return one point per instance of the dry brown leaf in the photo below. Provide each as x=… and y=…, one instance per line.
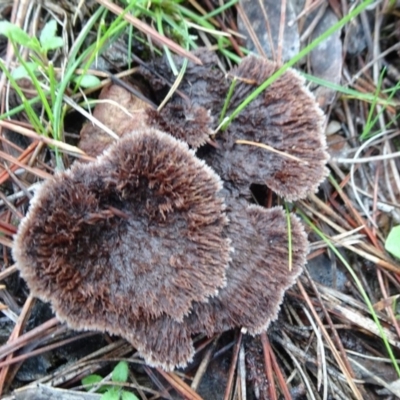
x=119, y=110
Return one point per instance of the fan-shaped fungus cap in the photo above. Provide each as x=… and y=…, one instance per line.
x=135, y=234
x=285, y=117
x=257, y=278
x=163, y=342
x=259, y=273
x=190, y=114
x=188, y=122
x=202, y=85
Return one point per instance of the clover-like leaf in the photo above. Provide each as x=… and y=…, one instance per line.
x=91, y=380
x=111, y=394
x=53, y=43
x=120, y=372
x=48, y=32
x=87, y=81
x=14, y=32
x=128, y=396
x=22, y=72
x=392, y=244
x=19, y=36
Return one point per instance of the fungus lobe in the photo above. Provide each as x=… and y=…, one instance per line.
x=258, y=274
x=257, y=279
x=284, y=117
x=188, y=122
x=162, y=341
x=192, y=112
x=132, y=236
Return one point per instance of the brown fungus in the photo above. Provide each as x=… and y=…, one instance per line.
x=259, y=273
x=202, y=85
x=137, y=243
x=284, y=117
x=257, y=279
x=277, y=140
x=162, y=342
x=191, y=114
x=187, y=122
x=135, y=234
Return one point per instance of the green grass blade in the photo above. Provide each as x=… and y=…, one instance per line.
x=220, y=9
x=351, y=93
x=370, y=120
x=159, y=21
x=36, y=83
x=227, y=99
x=25, y=106
x=289, y=227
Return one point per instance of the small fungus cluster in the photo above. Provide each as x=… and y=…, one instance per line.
x=155, y=240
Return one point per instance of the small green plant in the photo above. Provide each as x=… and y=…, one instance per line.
x=39, y=47
x=38, y=63
x=120, y=375
x=39, y=69
x=53, y=86
x=392, y=244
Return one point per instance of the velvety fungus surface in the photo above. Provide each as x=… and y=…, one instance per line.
x=132, y=236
